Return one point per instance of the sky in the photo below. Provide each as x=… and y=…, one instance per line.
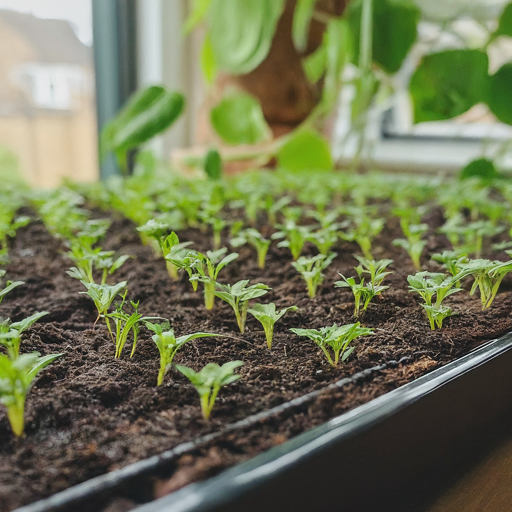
x=77, y=12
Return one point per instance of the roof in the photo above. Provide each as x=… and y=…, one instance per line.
x=54, y=41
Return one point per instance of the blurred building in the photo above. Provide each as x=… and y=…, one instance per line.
x=47, y=103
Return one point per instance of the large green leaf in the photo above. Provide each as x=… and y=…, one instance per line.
x=447, y=84
x=483, y=169
x=238, y=119
x=305, y=149
x=213, y=165
x=395, y=31
x=505, y=23
x=500, y=94
x=241, y=32
x=153, y=120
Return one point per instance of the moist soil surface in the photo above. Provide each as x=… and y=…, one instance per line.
x=89, y=413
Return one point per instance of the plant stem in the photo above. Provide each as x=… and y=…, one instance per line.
x=172, y=270
x=269, y=334
x=15, y=413
x=209, y=294
x=205, y=407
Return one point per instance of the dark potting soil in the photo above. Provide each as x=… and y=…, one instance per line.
x=89, y=413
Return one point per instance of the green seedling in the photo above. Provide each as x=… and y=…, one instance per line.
x=9, y=286
x=336, y=338
x=87, y=260
x=212, y=217
x=169, y=245
x=205, y=269
x=295, y=237
x=16, y=379
x=363, y=231
x=268, y=316
x=469, y=237
x=168, y=344
x=253, y=237
x=272, y=207
x=323, y=239
x=238, y=297
x=365, y=293
x=429, y=285
x=103, y=295
x=451, y=260
x=413, y=244
x=10, y=333
x=311, y=270
x=9, y=224
x=209, y=381
x=124, y=323
x=487, y=276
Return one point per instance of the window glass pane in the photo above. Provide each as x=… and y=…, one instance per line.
x=47, y=103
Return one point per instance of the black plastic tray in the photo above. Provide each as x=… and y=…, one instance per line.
x=397, y=452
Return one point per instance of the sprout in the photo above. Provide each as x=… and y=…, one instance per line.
x=323, y=239
x=9, y=286
x=124, y=323
x=428, y=285
x=103, y=295
x=337, y=338
x=209, y=380
x=413, y=244
x=10, y=333
x=168, y=345
x=311, y=270
x=205, y=269
x=169, y=245
x=294, y=236
x=255, y=238
x=364, y=230
x=87, y=260
x=365, y=293
x=488, y=276
x=451, y=261
x=238, y=297
x=268, y=316
x=16, y=378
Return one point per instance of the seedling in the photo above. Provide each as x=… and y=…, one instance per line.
x=365, y=293
x=168, y=345
x=16, y=379
x=9, y=224
x=9, y=286
x=103, y=295
x=124, y=323
x=294, y=236
x=337, y=338
x=205, y=269
x=253, y=237
x=364, y=230
x=87, y=260
x=488, y=276
x=10, y=333
x=209, y=380
x=211, y=216
x=169, y=244
x=268, y=316
x=428, y=285
x=238, y=297
x=323, y=239
x=311, y=270
x=469, y=236
x=451, y=260
x=413, y=244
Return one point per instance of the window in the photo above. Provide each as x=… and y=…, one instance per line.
x=47, y=97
